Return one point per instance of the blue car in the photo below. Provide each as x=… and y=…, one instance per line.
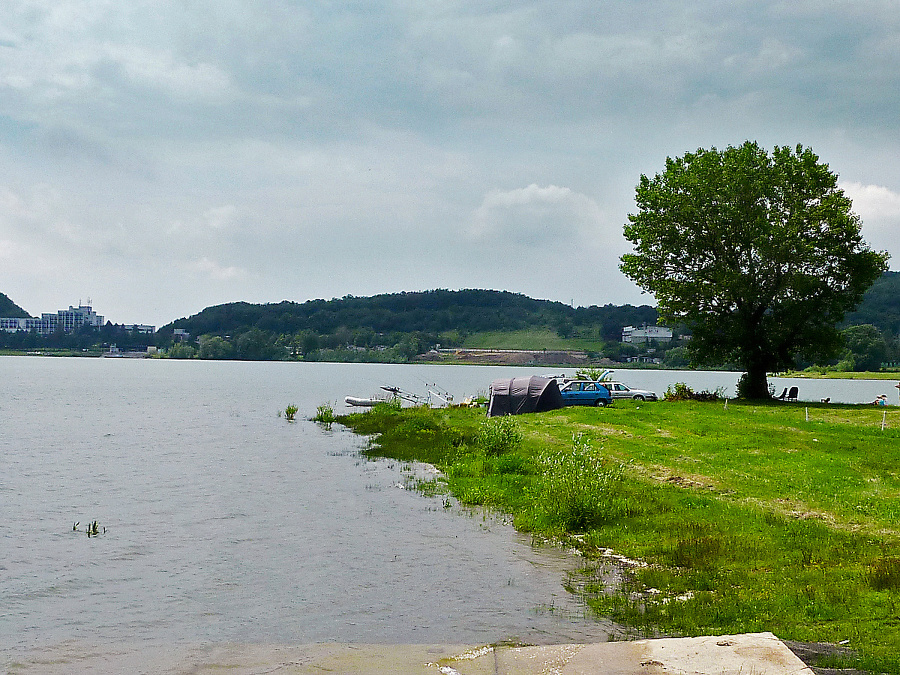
x=584, y=392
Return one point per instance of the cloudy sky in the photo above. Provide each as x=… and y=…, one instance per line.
x=162, y=156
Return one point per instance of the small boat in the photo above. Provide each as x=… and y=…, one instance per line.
x=395, y=393
x=363, y=402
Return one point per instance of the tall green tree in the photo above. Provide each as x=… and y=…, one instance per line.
x=866, y=347
x=759, y=254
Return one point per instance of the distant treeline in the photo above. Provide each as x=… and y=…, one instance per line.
x=880, y=306
x=85, y=338
x=433, y=312
x=407, y=321
x=398, y=326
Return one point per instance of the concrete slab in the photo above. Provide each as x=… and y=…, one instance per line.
x=757, y=653
x=750, y=654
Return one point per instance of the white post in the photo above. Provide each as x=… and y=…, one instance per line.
x=883, y=419
x=807, y=414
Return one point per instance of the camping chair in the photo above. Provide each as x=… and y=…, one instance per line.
x=783, y=394
x=792, y=394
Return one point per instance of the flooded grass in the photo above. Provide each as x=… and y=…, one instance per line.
x=773, y=517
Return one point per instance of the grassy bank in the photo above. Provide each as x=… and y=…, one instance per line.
x=749, y=517
x=844, y=375
x=50, y=352
x=535, y=338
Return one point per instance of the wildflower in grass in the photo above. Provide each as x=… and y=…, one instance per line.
x=499, y=435
x=580, y=488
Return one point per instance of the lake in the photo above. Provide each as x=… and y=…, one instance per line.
x=227, y=524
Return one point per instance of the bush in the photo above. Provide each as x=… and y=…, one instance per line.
x=498, y=435
x=590, y=373
x=681, y=392
x=579, y=489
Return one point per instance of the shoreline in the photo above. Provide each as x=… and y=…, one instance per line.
x=726, y=654
x=676, y=482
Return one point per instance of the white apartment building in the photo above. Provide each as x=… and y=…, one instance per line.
x=71, y=319
x=66, y=320
x=11, y=325
x=646, y=334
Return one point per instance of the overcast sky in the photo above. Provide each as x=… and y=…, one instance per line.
x=162, y=156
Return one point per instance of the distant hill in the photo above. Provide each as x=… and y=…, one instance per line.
x=11, y=310
x=435, y=313
x=880, y=306
x=449, y=317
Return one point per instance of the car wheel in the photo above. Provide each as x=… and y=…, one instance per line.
x=601, y=403
x=638, y=398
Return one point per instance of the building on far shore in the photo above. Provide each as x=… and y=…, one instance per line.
x=646, y=334
x=11, y=325
x=65, y=320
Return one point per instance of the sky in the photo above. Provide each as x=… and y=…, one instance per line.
x=158, y=157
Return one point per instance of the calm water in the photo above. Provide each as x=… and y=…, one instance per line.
x=227, y=524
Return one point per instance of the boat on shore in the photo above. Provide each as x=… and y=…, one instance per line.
x=395, y=393
x=363, y=402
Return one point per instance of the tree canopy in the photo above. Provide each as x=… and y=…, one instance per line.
x=880, y=306
x=431, y=312
x=758, y=254
x=9, y=309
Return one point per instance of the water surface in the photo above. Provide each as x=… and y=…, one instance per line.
x=225, y=523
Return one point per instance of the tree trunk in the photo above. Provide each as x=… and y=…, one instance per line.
x=756, y=385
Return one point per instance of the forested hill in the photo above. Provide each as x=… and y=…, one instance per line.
x=436, y=313
x=880, y=306
x=9, y=309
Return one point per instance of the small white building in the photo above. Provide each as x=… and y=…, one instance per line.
x=646, y=334
x=144, y=329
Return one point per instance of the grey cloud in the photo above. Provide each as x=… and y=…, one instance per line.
x=213, y=151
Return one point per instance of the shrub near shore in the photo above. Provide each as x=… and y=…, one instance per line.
x=764, y=517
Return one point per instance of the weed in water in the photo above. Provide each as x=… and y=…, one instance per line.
x=324, y=414
x=290, y=412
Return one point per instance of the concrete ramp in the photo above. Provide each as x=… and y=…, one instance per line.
x=758, y=653
x=750, y=654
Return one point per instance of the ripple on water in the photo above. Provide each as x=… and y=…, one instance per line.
x=226, y=524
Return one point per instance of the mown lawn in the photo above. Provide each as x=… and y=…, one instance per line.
x=535, y=339
x=845, y=375
x=778, y=517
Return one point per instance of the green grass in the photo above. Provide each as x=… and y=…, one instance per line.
x=845, y=375
x=750, y=517
x=51, y=351
x=535, y=339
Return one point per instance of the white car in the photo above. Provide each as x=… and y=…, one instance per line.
x=619, y=390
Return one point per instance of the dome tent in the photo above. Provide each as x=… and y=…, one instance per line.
x=524, y=395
